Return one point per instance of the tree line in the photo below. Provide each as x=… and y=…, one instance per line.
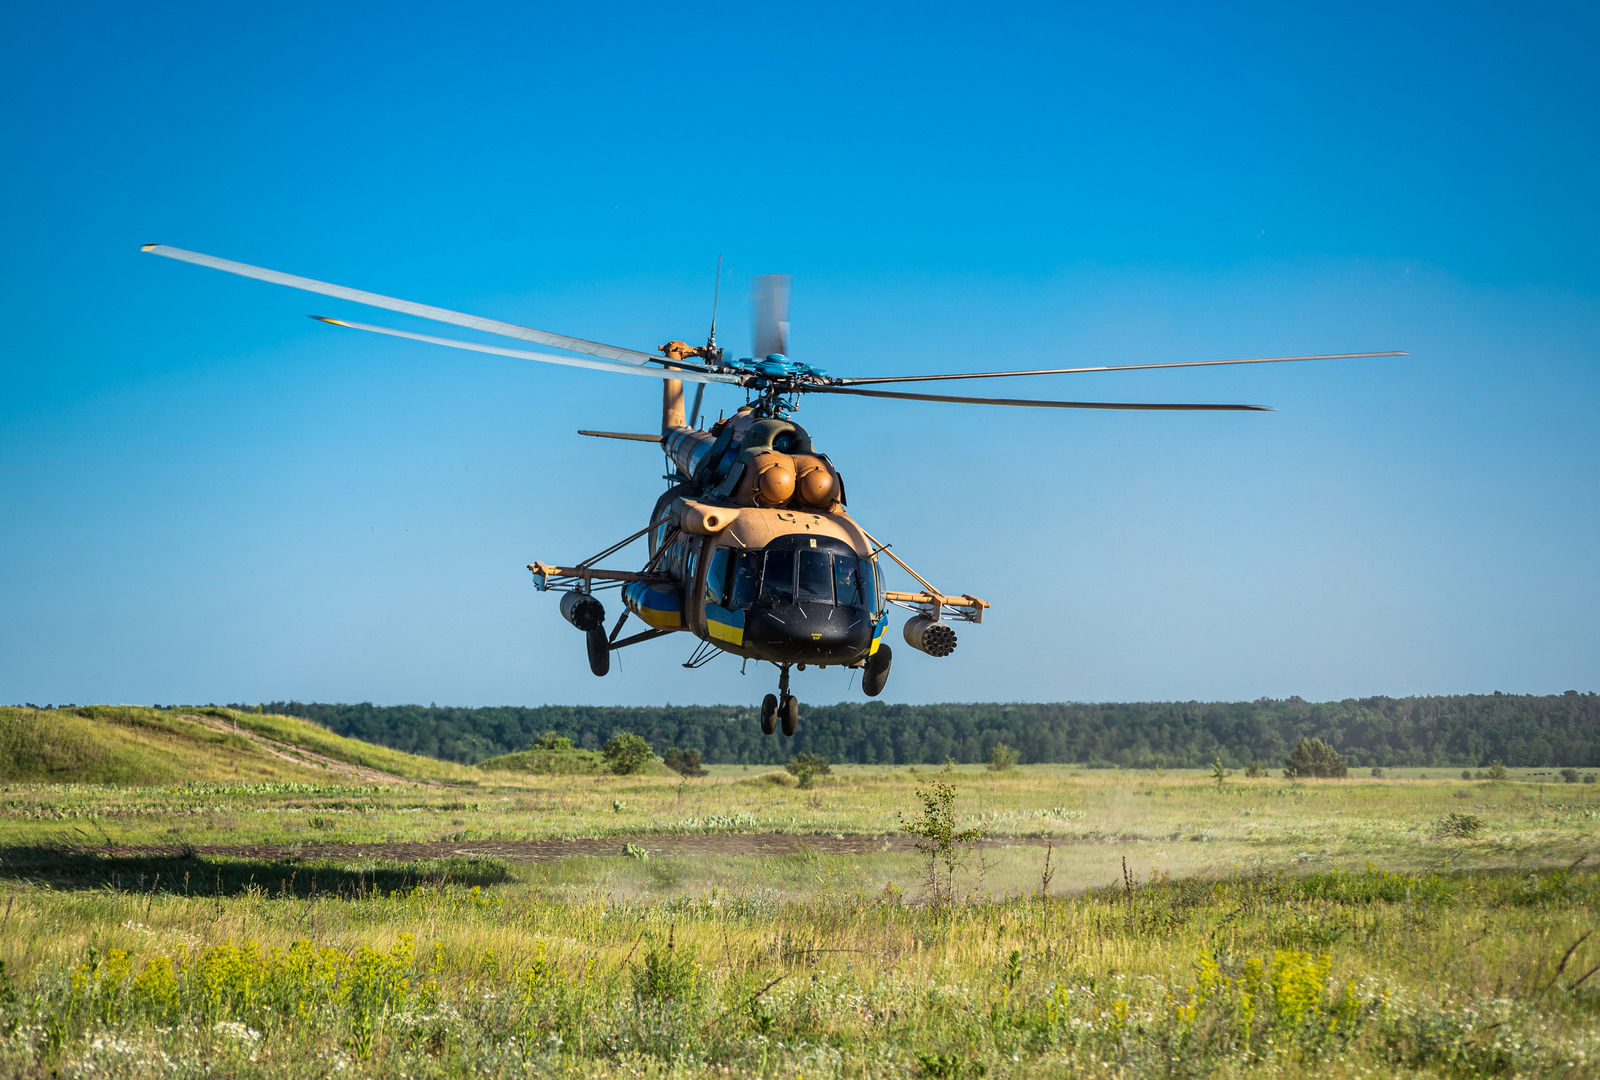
x=1446, y=731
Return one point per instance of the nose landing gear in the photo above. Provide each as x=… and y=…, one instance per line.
x=780, y=707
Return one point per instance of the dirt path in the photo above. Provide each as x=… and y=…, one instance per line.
x=299, y=755
x=550, y=850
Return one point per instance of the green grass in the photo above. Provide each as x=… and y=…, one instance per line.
x=488, y=969
x=548, y=763
x=130, y=745
x=1260, y=928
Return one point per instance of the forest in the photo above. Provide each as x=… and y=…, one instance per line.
x=1459, y=731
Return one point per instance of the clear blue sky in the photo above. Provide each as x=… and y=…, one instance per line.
x=207, y=497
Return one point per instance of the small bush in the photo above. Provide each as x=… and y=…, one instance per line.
x=1497, y=771
x=1001, y=758
x=1377, y=773
x=666, y=974
x=627, y=754
x=1256, y=770
x=804, y=767
x=1466, y=774
x=1569, y=776
x=551, y=743
x=684, y=762
x=1313, y=757
x=1589, y=778
x=1461, y=826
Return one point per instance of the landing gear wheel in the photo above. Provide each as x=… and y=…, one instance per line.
x=769, y=714
x=876, y=674
x=789, y=713
x=599, y=651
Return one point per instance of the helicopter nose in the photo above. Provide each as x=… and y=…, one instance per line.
x=809, y=633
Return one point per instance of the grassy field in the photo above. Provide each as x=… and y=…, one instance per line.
x=1112, y=923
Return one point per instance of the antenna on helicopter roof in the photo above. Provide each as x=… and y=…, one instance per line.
x=716, y=294
x=714, y=353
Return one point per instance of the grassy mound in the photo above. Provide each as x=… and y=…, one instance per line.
x=550, y=762
x=129, y=745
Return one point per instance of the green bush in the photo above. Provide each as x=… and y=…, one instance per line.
x=684, y=762
x=1313, y=757
x=1461, y=826
x=628, y=754
x=803, y=767
x=1497, y=771
x=1569, y=776
x=1001, y=758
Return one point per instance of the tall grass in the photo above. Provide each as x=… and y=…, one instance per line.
x=1349, y=972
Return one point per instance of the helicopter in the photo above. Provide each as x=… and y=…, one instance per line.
x=751, y=548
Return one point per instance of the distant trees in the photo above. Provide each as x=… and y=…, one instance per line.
x=1465, y=731
x=1315, y=758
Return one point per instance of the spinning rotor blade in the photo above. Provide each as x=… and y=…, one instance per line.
x=547, y=358
x=1035, y=404
x=1116, y=367
x=437, y=314
x=769, y=295
x=628, y=435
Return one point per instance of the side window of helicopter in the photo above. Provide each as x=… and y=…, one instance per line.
x=872, y=581
x=847, y=580
x=815, y=577
x=746, y=580
x=717, y=576
x=690, y=565
x=777, y=578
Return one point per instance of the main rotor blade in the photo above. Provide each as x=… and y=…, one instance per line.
x=769, y=294
x=1035, y=404
x=546, y=358
x=389, y=303
x=1116, y=367
x=621, y=435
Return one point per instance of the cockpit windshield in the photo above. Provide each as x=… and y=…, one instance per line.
x=777, y=579
x=815, y=577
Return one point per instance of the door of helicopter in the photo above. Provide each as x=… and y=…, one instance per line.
x=801, y=599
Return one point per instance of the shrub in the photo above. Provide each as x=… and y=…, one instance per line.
x=1220, y=773
x=1256, y=770
x=684, y=762
x=1589, y=778
x=1466, y=774
x=1497, y=771
x=1313, y=757
x=628, y=754
x=1569, y=776
x=803, y=767
x=939, y=842
x=1462, y=826
x=1001, y=758
x=1377, y=773
x=551, y=743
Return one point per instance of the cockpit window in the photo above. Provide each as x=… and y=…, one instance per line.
x=717, y=576
x=746, y=580
x=847, y=581
x=777, y=579
x=815, y=577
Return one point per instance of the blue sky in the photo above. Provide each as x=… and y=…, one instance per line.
x=208, y=497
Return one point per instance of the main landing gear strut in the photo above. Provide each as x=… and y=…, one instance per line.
x=780, y=706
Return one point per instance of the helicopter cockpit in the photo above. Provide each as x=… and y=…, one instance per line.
x=800, y=599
